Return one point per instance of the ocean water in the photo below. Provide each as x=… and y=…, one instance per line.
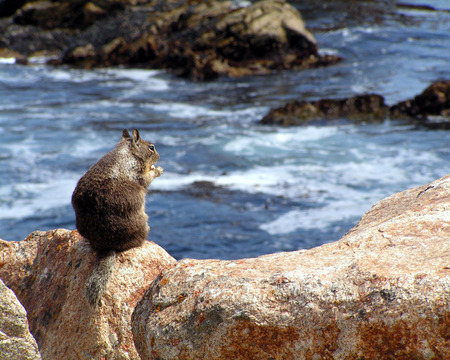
x=231, y=188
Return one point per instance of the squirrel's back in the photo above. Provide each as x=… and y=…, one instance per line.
x=109, y=200
x=109, y=204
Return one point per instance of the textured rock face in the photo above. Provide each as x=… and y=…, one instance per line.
x=16, y=341
x=48, y=273
x=209, y=39
x=263, y=29
x=381, y=292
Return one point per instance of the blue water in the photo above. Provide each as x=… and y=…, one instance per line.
x=231, y=188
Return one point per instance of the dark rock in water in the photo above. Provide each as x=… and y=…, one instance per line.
x=197, y=39
x=435, y=99
x=361, y=108
x=431, y=109
x=74, y=14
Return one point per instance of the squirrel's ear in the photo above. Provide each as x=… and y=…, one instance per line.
x=125, y=134
x=136, y=136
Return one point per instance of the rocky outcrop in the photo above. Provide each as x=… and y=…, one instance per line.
x=431, y=109
x=197, y=39
x=16, y=341
x=48, y=272
x=73, y=14
x=434, y=101
x=381, y=292
x=367, y=108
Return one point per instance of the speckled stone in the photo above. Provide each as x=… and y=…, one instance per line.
x=381, y=292
x=48, y=273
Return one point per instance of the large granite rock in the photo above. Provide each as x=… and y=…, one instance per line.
x=381, y=292
x=197, y=39
x=16, y=341
x=431, y=109
x=48, y=272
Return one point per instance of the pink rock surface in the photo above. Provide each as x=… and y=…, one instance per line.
x=381, y=292
x=48, y=272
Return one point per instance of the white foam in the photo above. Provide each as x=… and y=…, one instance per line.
x=180, y=110
x=318, y=218
x=360, y=88
x=105, y=104
x=62, y=75
x=143, y=79
x=8, y=61
x=335, y=189
x=175, y=181
x=390, y=167
x=328, y=51
x=336, y=180
x=138, y=79
x=186, y=111
x=278, y=140
x=133, y=74
x=91, y=144
x=40, y=60
x=246, y=115
x=281, y=180
x=35, y=197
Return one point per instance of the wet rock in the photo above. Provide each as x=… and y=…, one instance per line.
x=64, y=14
x=81, y=55
x=432, y=106
x=266, y=29
x=48, y=273
x=382, y=289
x=210, y=40
x=431, y=109
x=200, y=40
x=361, y=108
x=118, y=51
x=16, y=341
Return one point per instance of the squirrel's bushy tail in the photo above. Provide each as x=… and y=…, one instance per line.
x=97, y=280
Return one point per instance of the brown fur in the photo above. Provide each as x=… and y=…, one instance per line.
x=109, y=200
x=109, y=204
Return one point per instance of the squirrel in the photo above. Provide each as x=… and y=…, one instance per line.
x=109, y=204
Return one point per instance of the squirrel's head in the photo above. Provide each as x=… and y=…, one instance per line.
x=142, y=150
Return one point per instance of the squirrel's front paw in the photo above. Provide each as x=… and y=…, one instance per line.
x=158, y=171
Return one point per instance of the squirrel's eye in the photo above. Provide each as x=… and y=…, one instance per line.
x=151, y=147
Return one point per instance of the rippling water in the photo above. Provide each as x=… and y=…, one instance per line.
x=231, y=188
